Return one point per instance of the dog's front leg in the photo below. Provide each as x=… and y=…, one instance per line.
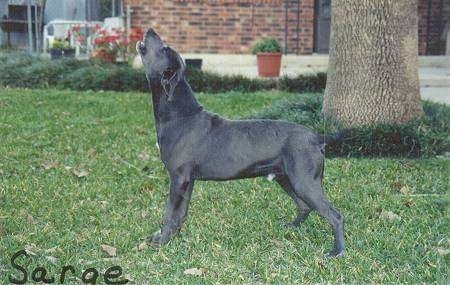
x=176, y=209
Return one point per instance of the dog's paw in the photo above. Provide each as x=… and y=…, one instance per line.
x=156, y=239
x=335, y=254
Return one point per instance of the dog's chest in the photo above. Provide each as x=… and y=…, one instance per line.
x=179, y=145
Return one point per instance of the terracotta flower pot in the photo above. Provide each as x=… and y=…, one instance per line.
x=269, y=64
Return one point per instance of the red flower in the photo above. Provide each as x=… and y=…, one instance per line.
x=111, y=38
x=136, y=34
x=124, y=42
x=76, y=28
x=99, y=41
x=80, y=39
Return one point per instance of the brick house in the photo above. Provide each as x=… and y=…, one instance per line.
x=233, y=26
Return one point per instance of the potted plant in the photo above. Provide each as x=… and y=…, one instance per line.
x=109, y=45
x=56, y=50
x=61, y=48
x=268, y=54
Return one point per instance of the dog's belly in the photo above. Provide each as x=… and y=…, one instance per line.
x=227, y=168
x=241, y=150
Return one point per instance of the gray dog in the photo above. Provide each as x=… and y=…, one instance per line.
x=198, y=145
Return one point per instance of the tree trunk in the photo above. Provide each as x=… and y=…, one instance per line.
x=373, y=65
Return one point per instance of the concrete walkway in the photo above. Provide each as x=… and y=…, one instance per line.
x=434, y=71
x=435, y=83
x=436, y=94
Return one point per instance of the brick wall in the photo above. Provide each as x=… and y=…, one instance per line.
x=432, y=17
x=227, y=26
x=233, y=26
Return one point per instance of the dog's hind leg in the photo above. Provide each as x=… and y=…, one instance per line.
x=314, y=197
x=303, y=174
x=302, y=208
x=177, y=206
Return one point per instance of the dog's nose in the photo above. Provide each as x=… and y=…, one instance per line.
x=151, y=33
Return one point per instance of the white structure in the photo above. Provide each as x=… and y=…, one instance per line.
x=56, y=11
x=59, y=29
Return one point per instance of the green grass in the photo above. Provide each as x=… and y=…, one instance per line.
x=235, y=229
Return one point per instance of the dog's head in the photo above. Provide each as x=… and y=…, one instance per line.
x=161, y=62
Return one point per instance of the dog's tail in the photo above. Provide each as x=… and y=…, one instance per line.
x=335, y=138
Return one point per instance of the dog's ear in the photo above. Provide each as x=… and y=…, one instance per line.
x=172, y=76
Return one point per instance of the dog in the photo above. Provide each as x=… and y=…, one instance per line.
x=198, y=145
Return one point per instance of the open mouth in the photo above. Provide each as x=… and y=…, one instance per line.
x=140, y=47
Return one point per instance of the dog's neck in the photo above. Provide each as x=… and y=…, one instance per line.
x=182, y=105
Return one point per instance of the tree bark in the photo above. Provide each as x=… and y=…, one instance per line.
x=373, y=62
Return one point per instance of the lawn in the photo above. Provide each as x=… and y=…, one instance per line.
x=79, y=170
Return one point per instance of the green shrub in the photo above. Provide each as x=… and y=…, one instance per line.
x=422, y=137
x=267, y=45
x=34, y=72
x=45, y=74
x=304, y=83
x=105, y=77
x=15, y=60
x=203, y=81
